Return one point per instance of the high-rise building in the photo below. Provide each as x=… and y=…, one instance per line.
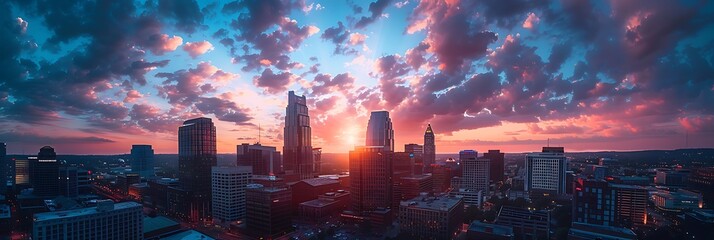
x=545, y=171
x=526, y=223
x=593, y=202
x=464, y=154
x=68, y=181
x=414, y=148
x=229, y=185
x=44, y=173
x=475, y=179
x=431, y=217
x=3, y=167
x=142, y=160
x=22, y=171
x=410, y=187
x=370, y=178
x=197, y=154
x=268, y=210
x=263, y=159
x=429, y=148
x=316, y=160
x=380, y=131
x=108, y=220
x=297, y=147
x=497, y=168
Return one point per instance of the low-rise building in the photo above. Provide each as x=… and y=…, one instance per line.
x=108, y=220
x=487, y=231
x=431, y=217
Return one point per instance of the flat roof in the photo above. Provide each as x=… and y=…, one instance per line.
x=188, y=235
x=80, y=212
x=495, y=229
x=442, y=203
x=318, y=203
x=156, y=223
x=318, y=181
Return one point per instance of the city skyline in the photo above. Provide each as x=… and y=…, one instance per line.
x=586, y=75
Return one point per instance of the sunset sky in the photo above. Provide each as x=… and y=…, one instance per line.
x=95, y=77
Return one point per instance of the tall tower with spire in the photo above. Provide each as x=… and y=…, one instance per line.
x=429, y=149
x=380, y=131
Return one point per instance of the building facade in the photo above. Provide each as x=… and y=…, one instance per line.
x=497, y=167
x=370, y=178
x=380, y=131
x=431, y=217
x=297, y=145
x=107, y=220
x=44, y=173
x=142, y=160
x=197, y=155
x=475, y=179
x=545, y=171
x=429, y=148
x=228, y=196
x=268, y=210
x=263, y=159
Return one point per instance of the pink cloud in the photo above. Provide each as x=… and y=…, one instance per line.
x=132, y=96
x=531, y=21
x=160, y=44
x=194, y=49
x=357, y=38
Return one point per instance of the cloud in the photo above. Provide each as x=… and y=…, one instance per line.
x=186, y=14
x=162, y=43
x=132, y=96
x=357, y=39
x=376, y=10
x=22, y=24
x=197, y=48
x=274, y=83
x=33, y=138
x=530, y=21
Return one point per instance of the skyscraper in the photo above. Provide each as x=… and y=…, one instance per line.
x=380, y=131
x=22, y=171
x=496, y=157
x=268, y=210
x=45, y=173
x=475, y=179
x=316, y=160
x=229, y=185
x=297, y=147
x=142, y=160
x=370, y=178
x=197, y=154
x=3, y=167
x=429, y=148
x=264, y=159
x=545, y=171
x=414, y=148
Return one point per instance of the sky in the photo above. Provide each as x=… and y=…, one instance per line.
x=95, y=77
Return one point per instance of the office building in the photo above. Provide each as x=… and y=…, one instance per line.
x=268, y=210
x=487, y=231
x=159, y=190
x=410, y=187
x=631, y=204
x=703, y=177
x=108, y=220
x=4, y=163
x=497, y=167
x=429, y=148
x=69, y=181
x=84, y=181
x=297, y=147
x=197, y=154
x=310, y=189
x=380, y=131
x=545, y=171
x=327, y=205
x=124, y=181
x=5, y=220
x=44, y=173
x=414, y=148
x=370, y=178
x=22, y=172
x=584, y=231
x=526, y=224
x=316, y=160
x=594, y=202
x=229, y=197
x=475, y=179
x=431, y=217
x=142, y=160
x=441, y=177
x=677, y=200
x=465, y=154
x=263, y=159
x=672, y=177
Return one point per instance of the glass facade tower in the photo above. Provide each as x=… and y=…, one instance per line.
x=197, y=155
x=297, y=147
x=142, y=160
x=380, y=131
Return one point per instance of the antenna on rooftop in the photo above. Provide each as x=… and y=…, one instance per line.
x=548, y=142
x=258, y=133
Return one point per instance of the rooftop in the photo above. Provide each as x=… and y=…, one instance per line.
x=441, y=203
x=593, y=229
x=80, y=212
x=188, y=235
x=494, y=229
x=318, y=203
x=319, y=181
x=156, y=223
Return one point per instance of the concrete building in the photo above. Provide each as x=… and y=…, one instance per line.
x=264, y=160
x=677, y=200
x=328, y=205
x=594, y=202
x=431, y=217
x=268, y=210
x=526, y=224
x=311, y=189
x=410, y=187
x=229, y=193
x=584, y=231
x=475, y=179
x=631, y=204
x=672, y=177
x=142, y=160
x=108, y=220
x=497, y=168
x=414, y=148
x=545, y=171
x=487, y=231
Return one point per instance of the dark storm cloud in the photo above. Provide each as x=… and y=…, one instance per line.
x=274, y=83
x=186, y=13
